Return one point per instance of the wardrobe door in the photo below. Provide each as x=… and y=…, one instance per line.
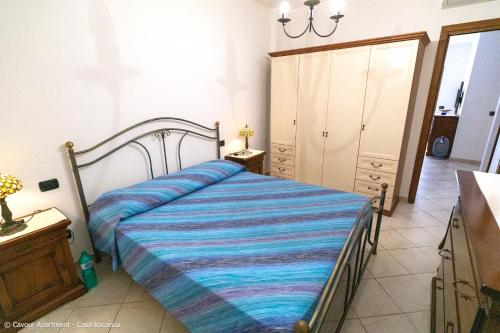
x=388, y=93
x=284, y=84
x=349, y=71
x=314, y=76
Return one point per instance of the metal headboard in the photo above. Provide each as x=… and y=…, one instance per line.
x=192, y=129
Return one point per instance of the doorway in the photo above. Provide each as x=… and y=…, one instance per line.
x=460, y=126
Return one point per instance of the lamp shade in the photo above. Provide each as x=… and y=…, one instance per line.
x=247, y=132
x=9, y=185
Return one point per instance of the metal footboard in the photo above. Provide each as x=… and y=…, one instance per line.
x=351, y=265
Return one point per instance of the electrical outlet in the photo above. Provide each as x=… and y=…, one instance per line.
x=48, y=185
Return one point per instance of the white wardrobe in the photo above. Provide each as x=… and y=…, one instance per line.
x=340, y=115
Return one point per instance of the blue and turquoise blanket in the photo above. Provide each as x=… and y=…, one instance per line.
x=226, y=250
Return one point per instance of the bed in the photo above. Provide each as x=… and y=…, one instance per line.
x=225, y=250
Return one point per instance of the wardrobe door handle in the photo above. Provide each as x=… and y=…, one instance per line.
x=374, y=178
x=377, y=166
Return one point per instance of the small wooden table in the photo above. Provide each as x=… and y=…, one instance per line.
x=37, y=273
x=254, y=162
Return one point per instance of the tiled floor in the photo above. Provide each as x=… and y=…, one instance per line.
x=393, y=297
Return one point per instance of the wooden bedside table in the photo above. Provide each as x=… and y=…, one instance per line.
x=37, y=273
x=253, y=162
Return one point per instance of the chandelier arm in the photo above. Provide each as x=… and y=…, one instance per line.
x=328, y=35
x=297, y=36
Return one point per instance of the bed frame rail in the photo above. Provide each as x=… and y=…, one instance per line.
x=353, y=260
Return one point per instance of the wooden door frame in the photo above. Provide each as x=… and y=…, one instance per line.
x=437, y=74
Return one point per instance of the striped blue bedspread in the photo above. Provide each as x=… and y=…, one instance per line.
x=226, y=250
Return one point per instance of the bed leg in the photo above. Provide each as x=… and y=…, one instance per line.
x=302, y=327
x=97, y=256
x=379, y=216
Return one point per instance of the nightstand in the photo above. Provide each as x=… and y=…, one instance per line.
x=37, y=273
x=254, y=162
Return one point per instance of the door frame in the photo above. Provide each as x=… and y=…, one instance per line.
x=437, y=74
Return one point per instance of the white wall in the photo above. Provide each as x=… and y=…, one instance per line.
x=369, y=19
x=480, y=98
x=81, y=70
x=457, y=68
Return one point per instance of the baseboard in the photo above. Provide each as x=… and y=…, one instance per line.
x=464, y=160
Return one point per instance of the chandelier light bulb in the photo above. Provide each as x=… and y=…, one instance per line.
x=337, y=6
x=284, y=8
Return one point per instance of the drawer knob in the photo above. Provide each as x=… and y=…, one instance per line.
x=443, y=253
x=374, y=178
x=373, y=188
x=376, y=166
x=455, y=223
x=281, y=170
x=463, y=282
x=282, y=149
x=282, y=159
x=450, y=327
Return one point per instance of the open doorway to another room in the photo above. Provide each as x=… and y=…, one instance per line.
x=464, y=129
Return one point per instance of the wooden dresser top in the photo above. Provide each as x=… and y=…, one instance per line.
x=483, y=232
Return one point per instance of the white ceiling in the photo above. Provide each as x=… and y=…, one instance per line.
x=276, y=3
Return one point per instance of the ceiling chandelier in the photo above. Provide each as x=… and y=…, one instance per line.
x=336, y=6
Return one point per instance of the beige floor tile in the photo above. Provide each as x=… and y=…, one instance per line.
x=425, y=278
x=437, y=233
x=409, y=294
x=90, y=315
x=112, y=289
x=352, y=326
x=137, y=293
x=414, y=260
x=446, y=203
x=442, y=215
x=419, y=236
x=44, y=324
x=422, y=219
x=432, y=252
x=139, y=317
x=372, y=300
x=171, y=325
x=399, y=221
x=383, y=264
x=388, y=324
x=392, y=239
x=426, y=205
x=421, y=320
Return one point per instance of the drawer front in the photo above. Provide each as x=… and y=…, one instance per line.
x=283, y=159
x=282, y=150
x=372, y=188
x=377, y=164
x=282, y=176
x=281, y=169
x=376, y=202
x=465, y=286
x=376, y=176
x=450, y=304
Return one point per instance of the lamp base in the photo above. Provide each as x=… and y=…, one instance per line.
x=9, y=224
x=13, y=227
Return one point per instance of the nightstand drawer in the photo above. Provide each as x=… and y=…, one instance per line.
x=377, y=164
x=282, y=150
x=282, y=169
x=283, y=159
x=376, y=176
x=372, y=188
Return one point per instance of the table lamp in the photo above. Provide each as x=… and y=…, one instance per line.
x=246, y=132
x=8, y=185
